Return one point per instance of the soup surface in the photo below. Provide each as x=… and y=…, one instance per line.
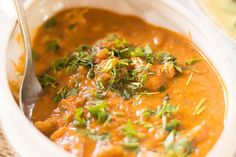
x=115, y=85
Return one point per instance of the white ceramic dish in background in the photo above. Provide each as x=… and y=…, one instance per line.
x=208, y=16
x=29, y=142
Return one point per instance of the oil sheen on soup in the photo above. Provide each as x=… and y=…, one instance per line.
x=116, y=86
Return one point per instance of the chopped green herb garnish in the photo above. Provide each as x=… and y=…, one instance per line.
x=131, y=143
x=148, y=112
x=167, y=58
x=169, y=141
x=94, y=135
x=100, y=90
x=107, y=121
x=72, y=92
x=100, y=85
x=113, y=77
x=78, y=57
x=123, y=77
x=61, y=94
x=143, y=93
x=134, y=85
x=53, y=45
x=189, y=78
x=200, y=107
x=47, y=81
x=149, y=55
x=184, y=147
x=164, y=111
x=166, y=108
x=91, y=73
x=98, y=111
x=60, y=64
x=142, y=79
x=119, y=43
x=145, y=52
x=172, y=125
x=109, y=65
x=138, y=52
x=192, y=61
x=132, y=136
x=126, y=95
x=178, y=147
x=78, y=120
x=99, y=137
x=150, y=93
x=130, y=131
x=178, y=68
x=64, y=92
x=124, y=63
x=145, y=124
x=164, y=121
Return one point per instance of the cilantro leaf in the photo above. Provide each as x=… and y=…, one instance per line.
x=95, y=135
x=61, y=94
x=78, y=120
x=145, y=52
x=167, y=107
x=129, y=131
x=98, y=111
x=178, y=147
x=148, y=112
x=172, y=125
x=164, y=57
x=47, y=81
x=167, y=58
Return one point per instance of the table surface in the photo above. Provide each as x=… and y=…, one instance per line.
x=5, y=148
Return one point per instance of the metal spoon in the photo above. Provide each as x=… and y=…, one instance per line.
x=30, y=89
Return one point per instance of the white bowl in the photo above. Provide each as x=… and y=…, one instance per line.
x=29, y=142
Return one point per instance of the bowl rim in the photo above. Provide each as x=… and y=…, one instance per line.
x=28, y=128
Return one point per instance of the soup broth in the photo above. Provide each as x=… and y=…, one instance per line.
x=115, y=85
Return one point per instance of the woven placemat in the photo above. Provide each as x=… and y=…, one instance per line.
x=5, y=148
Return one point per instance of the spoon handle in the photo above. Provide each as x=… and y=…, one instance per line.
x=24, y=30
x=30, y=88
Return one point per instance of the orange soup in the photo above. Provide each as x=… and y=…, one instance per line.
x=117, y=86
